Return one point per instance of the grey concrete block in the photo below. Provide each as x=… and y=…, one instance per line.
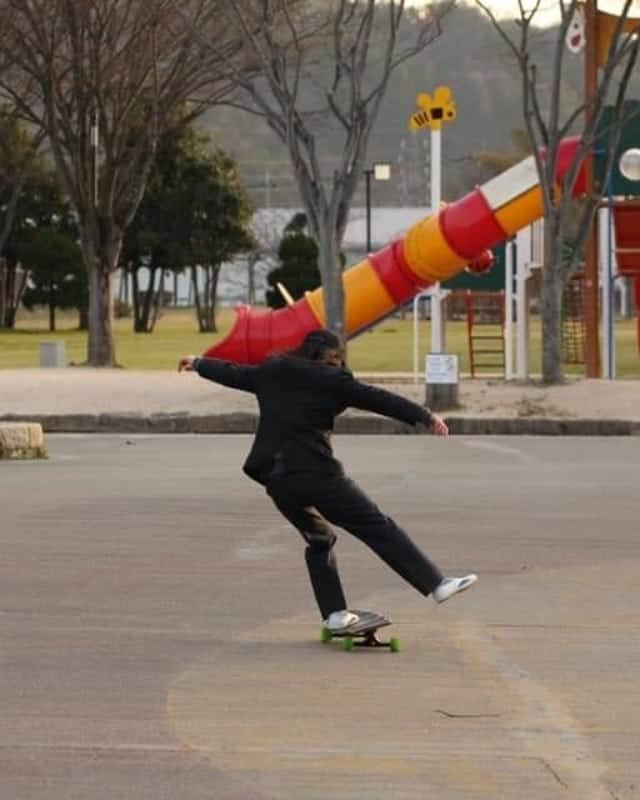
x=21, y=440
x=53, y=354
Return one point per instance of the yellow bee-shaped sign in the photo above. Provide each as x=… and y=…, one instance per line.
x=434, y=110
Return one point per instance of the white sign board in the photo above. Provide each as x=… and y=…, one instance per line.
x=442, y=368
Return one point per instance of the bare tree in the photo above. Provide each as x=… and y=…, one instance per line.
x=323, y=64
x=104, y=78
x=548, y=119
x=18, y=151
x=267, y=227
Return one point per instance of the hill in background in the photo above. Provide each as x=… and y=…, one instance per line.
x=470, y=58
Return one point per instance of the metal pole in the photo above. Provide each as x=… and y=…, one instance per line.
x=416, y=334
x=508, y=320
x=612, y=285
x=367, y=175
x=606, y=259
x=591, y=289
x=605, y=267
x=523, y=258
x=437, y=321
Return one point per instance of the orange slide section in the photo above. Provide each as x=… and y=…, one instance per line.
x=434, y=249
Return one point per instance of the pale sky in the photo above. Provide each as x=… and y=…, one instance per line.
x=548, y=12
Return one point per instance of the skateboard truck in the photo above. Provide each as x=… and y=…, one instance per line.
x=371, y=640
x=363, y=633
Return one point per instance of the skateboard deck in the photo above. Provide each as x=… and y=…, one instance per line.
x=363, y=632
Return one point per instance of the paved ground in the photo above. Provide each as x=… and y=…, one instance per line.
x=158, y=638
x=94, y=391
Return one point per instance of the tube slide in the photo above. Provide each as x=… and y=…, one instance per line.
x=434, y=249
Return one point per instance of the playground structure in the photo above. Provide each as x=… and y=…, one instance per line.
x=452, y=238
x=619, y=240
x=593, y=29
x=433, y=250
x=618, y=230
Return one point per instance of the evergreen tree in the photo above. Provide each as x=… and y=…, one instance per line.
x=57, y=277
x=195, y=214
x=298, y=270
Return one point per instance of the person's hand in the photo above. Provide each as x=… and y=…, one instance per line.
x=186, y=363
x=438, y=426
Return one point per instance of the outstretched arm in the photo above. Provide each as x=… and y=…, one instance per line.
x=226, y=373
x=371, y=398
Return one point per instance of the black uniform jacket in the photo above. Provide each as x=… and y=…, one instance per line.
x=298, y=402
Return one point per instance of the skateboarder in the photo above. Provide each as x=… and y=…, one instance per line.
x=299, y=395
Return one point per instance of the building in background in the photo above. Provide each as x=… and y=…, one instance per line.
x=236, y=285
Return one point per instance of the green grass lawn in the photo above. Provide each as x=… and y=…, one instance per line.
x=386, y=348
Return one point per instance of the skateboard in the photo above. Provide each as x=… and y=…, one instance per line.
x=362, y=633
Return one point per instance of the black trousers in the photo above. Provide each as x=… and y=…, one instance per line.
x=311, y=501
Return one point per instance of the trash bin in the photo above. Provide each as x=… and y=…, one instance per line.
x=53, y=354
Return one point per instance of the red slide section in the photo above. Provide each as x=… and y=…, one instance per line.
x=257, y=334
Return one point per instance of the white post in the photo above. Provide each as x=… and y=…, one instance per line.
x=612, y=262
x=623, y=288
x=523, y=259
x=437, y=319
x=416, y=334
x=606, y=280
x=508, y=316
x=436, y=169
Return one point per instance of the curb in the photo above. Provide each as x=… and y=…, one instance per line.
x=349, y=424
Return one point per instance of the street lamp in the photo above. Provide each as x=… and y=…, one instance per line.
x=380, y=172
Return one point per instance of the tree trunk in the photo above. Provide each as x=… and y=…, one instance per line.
x=135, y=291
x=205, y=302
x=123, y=288
x=551, y=308
x=145, y=313
x=13, y=281
x=158, y=300
x=212, y=298
x=52, y=310
x=101, y=244
x=196, y=296
x=9, y=211
x=101, y=347
x=10, y=317
x=83, y=319
x=3, y=280
x=330, y=268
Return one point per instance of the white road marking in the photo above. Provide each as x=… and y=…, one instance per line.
x=482, y=444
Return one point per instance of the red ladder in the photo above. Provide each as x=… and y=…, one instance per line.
x=485, y=327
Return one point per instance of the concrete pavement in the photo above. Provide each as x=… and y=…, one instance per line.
x=159, y=637
x=93, y=400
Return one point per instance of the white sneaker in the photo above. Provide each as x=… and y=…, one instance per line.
x=450, y=586
x=340, y=619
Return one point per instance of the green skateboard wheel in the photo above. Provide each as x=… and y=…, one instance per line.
x=325, y=635
x=348, y=643
x=394, y=645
